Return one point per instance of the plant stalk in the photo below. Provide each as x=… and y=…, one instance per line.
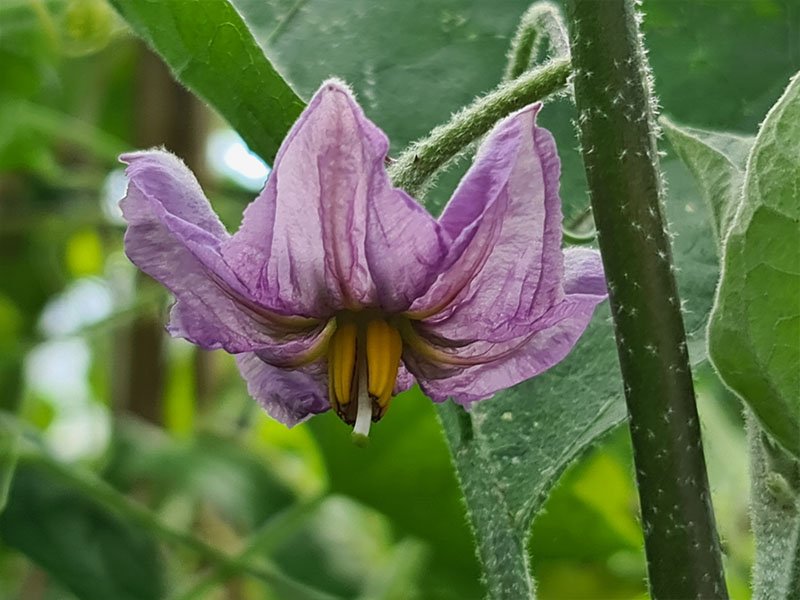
x=618, y=137
x=414, y=169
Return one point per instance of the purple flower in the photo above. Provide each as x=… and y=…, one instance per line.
x=339, y=290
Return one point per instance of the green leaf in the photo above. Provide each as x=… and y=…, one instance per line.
x=717, y=161
x=521, y=441
x=339, y=560
x=212, y=52
x=208, y=468
x=89, y=550
x=525, y=437
x=755, y=324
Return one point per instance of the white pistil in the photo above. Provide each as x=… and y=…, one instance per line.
x=364, y=409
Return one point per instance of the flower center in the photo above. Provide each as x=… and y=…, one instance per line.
x=363, y=359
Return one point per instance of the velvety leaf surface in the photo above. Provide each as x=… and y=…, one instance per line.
x=755, y=325
x=717, y=161
x=211, y=51
x=89, y=550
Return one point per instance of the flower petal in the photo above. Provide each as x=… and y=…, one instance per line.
x=515, y=360
x=174, y=236
x=404, y=382
x=506, y=266
x=583, y=273
x=328, y=231
x=290, y=396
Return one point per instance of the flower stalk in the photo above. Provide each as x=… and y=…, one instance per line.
x=415, y=169
x=541, y=24
x=618, y=137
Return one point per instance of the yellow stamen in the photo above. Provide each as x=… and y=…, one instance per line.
x=363, y=359
x=341, y=363
x=384, y=348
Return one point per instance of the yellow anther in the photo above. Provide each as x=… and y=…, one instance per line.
x=342, y=362
x=384, y=348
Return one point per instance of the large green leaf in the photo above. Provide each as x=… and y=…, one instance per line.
x=89, y=550
x=212, y=52
x=515, y=447
x=754, y=335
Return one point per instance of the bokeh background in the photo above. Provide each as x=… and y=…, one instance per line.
x=86, y=367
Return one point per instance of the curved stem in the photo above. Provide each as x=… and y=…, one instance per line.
x=416, y=167
x=617, y=130
x=541, y=22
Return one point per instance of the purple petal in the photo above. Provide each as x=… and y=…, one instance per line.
x=329, y=232
x=404, y=382
x=506, y=264
x=507, y=363
x=174, y=236
x=288, y=396
x=583, y=273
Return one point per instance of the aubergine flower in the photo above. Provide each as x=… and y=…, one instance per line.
x=339, y=290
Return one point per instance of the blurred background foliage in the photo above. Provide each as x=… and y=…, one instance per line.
x=121, y=412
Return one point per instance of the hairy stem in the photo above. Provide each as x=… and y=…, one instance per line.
x=415, y=168
x=542, y=22
x=500, y=541
x=775, y=517
x=618, y=137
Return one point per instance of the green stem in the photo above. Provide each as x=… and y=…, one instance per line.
x=500, y=538
x=415, y=168
x=113, y=500
x=775, y=517
x=541, y=22
x=617, y=127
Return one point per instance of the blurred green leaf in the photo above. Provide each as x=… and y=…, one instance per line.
x=337, y=559
x=592, y=513
x=9, y=455
x=717, y=162
x=406, y=473
x=208, y=467
x=754, y=333
x=211, y=51
x=89, y=550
